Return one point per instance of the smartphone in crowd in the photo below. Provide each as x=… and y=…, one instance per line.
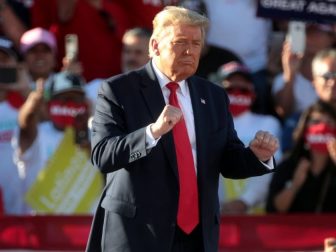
x=81, y=136
x=297, y=36
x=81, y=129
x=8, y=75
x=71, y=47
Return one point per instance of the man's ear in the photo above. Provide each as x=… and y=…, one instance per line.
x=155, y=46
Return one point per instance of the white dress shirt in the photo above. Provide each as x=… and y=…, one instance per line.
x=184, y=100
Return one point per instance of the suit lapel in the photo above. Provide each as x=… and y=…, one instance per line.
x=151, y=92
x=153, y=97
x=199, y=103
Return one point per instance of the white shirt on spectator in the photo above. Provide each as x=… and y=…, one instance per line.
x=304, y=92
x=235, y=26
x=8, y=172
x=34, y=159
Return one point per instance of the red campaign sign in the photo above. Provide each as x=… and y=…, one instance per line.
x=241, y=233
x=305, y=10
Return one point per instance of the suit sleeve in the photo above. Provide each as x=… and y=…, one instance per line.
x=113, y=146
x=238, y=161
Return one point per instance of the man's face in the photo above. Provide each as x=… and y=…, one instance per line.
x=134, y=53
x=40, y=61
x=178, y=50
x=325, y=81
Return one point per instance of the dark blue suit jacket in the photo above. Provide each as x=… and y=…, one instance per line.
x=138, y=208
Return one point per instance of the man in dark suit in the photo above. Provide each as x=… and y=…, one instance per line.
x=152, y=201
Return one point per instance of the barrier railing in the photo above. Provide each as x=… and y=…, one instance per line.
x=304, y=232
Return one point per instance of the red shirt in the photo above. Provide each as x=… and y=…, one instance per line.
x=142, y=12
x=99, y=35
x=15, y=99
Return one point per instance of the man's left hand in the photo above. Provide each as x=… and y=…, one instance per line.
x=264, y=145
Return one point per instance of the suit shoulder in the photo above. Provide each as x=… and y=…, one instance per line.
x=122, y=79
x=121, y=82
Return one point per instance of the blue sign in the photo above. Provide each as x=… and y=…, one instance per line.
x=305, y=10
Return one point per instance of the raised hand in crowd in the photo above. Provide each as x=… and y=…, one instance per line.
x=290, y=64
x=30, y=115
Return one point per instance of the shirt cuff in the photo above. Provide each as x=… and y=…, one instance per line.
x=150, y=140
x=269, y=164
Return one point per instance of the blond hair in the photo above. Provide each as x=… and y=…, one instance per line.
x=319, y=58
x=173, y=15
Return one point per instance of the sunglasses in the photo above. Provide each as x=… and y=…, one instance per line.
x=329, y=75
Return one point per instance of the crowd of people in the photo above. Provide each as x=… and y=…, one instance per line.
x=48, y=99
x=293, y=96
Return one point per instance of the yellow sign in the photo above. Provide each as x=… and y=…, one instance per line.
x=68, y=184
x=234, y=188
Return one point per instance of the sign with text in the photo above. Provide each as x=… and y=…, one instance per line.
x=306, y=10
x=68, y=184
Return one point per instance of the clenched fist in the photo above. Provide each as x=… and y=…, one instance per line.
x=169, y=116
x=264, y=145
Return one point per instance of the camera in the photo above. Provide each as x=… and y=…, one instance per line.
x=71, y=47
x=8, y=75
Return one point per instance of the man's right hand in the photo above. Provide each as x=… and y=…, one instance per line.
x=169, y=116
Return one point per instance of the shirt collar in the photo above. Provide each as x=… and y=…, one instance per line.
x=163, y=80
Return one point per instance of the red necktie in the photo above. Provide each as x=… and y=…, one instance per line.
x=187, y=215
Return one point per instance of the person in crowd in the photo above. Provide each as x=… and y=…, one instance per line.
x=293, y=90
x=244, y=196
x=162, y=171
x=235, y=26
x=98, y=24
x=324, y=68
x=38, y=48
x=134, y=55
x=305, y=180
x=36, y=140
x=14, y=87
x=39, y=51
x=135, y=44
